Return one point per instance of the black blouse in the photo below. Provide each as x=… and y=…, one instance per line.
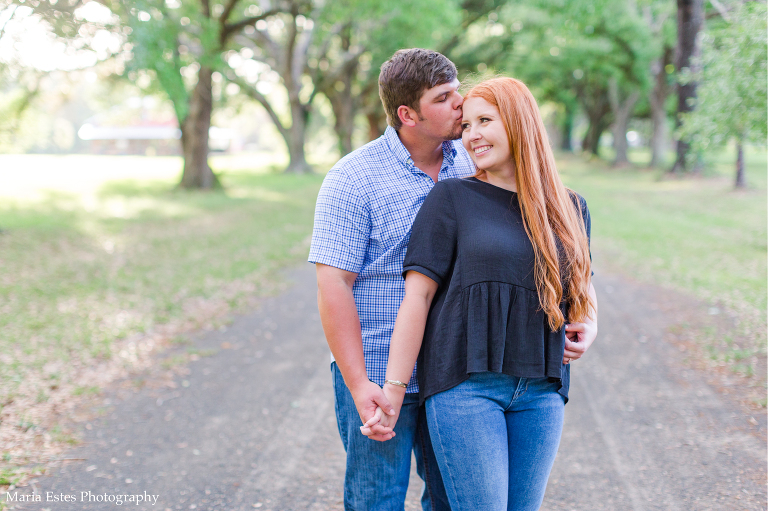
x=469, y=238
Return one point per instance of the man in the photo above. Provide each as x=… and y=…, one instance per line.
x=362, y=225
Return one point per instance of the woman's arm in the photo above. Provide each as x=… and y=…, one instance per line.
x=405, y=344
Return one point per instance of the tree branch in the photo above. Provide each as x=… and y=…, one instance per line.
x=721, y=9
x=13, y=13
x=327, y=81
x=473, y=14
x=251, y=91
x=231, y=28
x=227, y=11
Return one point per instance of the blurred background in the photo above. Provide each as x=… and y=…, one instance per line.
x=159, y=160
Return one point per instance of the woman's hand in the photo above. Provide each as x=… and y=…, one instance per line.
x=578, y=338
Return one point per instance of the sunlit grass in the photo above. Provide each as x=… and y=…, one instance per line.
x=101, y=260
x=98, y=250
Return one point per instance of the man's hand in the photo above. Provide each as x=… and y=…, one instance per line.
x=368, y=398
x=381, y=426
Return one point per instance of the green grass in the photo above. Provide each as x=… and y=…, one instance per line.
x=698, y=235
x=94, y=250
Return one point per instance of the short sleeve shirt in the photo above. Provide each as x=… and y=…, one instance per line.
x=469, y=237
x=363, y=219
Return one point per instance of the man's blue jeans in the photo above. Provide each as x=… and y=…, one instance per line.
x=495, y=438
x=378, y=472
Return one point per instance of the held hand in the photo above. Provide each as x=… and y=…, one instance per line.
x=381, y=426
x=369, y=398
x=578, y=338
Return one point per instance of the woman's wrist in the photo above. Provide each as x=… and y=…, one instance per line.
x=396, y=383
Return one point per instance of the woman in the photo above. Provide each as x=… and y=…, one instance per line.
x=497, y=264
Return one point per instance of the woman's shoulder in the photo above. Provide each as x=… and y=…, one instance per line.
x=578, y=200
x=454, y=183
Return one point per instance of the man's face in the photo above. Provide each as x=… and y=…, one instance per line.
x=440, y=111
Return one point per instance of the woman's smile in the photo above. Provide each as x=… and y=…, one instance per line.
x=486, y=140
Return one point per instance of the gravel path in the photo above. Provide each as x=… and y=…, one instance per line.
x=251, y=426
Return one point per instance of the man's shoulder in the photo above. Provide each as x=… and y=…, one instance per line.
x=373, y=156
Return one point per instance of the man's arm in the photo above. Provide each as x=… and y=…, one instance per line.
x=341, y=325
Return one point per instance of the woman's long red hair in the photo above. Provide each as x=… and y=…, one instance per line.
x=551, y=213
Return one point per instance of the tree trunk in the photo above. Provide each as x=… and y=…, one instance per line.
x=690, y=18
x=741, y=181
x=295, y=138
x=658, y=98
x=620, y=126
x=340, y=95
x=622, y=113
x=343, y=105
x=597, y=114
x=597, y=107
x=595, y=130
x=194, y=135
x=566, y=129
x=344, y=123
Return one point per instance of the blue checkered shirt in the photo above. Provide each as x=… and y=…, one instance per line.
x=363, y=219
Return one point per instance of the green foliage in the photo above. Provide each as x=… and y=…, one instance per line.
x=733, y=82
x=16, y=121
x=596, y=40
x=155, y=43
x=382, y=28
x=375, y=30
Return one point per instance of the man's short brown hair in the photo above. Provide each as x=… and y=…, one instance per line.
x=405, y=77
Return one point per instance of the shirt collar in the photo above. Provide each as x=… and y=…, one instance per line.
x=397, y=147
x=449, y=152
x=402, y=154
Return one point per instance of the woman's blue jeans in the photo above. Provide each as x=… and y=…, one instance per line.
x=495, y=438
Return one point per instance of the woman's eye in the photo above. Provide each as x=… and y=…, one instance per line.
x=464, y=125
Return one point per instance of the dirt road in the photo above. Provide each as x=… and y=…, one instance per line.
x=251, y=426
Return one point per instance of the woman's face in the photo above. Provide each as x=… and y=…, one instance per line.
x=485, y=137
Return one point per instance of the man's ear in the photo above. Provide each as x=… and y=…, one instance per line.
x=407, y=115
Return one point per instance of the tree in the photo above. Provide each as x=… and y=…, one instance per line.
x=690, y=19
x=181, y=42
x=733, y=74
x=328, y=48
x=600, y=53
x=276, y=52
x=176, y=45
x=375, y=30
x=659, y=18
